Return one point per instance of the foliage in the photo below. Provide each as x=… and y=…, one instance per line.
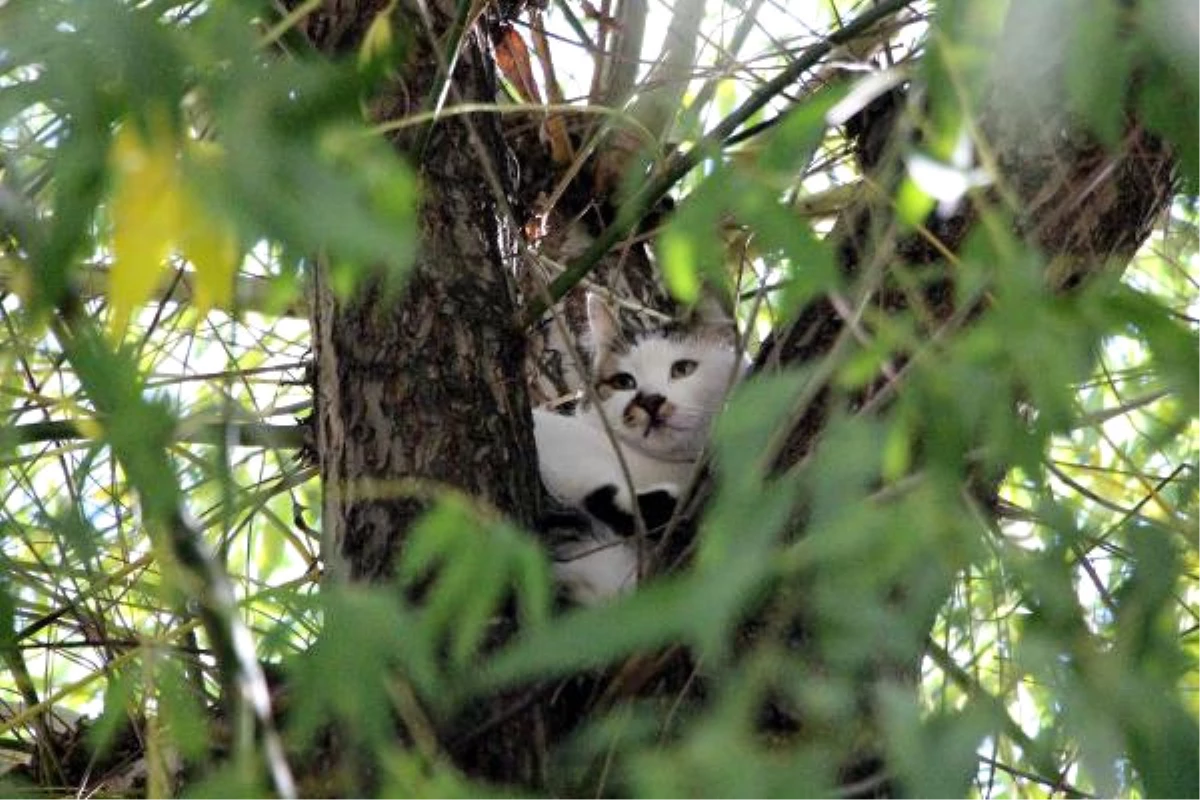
x=144, y=380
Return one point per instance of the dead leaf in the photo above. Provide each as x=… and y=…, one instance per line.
x=513, y=57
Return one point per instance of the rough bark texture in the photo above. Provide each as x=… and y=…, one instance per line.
x=428, y=388
x=426, y=385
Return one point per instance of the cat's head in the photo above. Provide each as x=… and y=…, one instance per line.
x=661, y=391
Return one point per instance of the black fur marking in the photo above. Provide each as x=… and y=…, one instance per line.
x=657, y=508
x=602, y=505
x=565, y=524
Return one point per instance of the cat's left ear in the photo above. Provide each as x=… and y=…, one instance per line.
x=713, y=311
x=603, y=328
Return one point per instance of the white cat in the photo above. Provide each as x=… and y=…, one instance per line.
x=659, y=395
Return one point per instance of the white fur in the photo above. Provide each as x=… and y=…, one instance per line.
x=576, y=455
x=696, y=398
x=592, y=570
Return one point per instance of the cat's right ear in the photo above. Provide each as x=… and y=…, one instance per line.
x=603, y=327
x=713, y=309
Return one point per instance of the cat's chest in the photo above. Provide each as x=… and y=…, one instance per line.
x=648, y=471
x=576, y=455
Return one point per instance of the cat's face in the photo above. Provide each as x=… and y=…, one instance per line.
x=660, y=394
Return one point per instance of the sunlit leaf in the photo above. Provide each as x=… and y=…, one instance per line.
x=679, y=266
x=208, y=242
x=145, y=214
x=379, y=38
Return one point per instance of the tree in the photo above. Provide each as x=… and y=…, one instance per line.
x=852, y=541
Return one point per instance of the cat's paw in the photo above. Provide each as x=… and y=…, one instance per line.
x=610, y=505
x=563, y=523
x=657, y=506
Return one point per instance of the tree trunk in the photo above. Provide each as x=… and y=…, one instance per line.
x=427, y=389
x=424, y=387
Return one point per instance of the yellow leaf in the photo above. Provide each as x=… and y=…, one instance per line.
x=89, y=427
x=208, y=242
x=145, y=218
x=378, y=39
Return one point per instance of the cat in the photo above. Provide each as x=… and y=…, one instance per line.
x=659, y=394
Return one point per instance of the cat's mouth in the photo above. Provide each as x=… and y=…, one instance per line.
x=654, y=409
x=663, y=424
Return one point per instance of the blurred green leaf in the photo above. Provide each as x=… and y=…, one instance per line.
x=1173, y=346
x=229, y=780
x=365, y=637
x=184, y=718
x=1098, y=62
x=934, y=756
x=119, y=705
x=473, y=566
x=654, y=616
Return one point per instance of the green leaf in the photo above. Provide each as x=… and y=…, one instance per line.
x=227, y=780
x=913, y=204
x=119, y=698
x=183, y=716
x=1174, y=346
x=365, y=637
x=656, y=615
x=690, y=245
x=679, y=260
x=308, y=173
x=469, y=566
x=1098, y=67
x=935, y=756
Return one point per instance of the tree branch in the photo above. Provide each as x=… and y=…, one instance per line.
x=233, y=434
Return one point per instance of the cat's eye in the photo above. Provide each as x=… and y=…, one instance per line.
x=683, y=367
x=622, y=382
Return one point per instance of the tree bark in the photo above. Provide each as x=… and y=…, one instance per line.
x=428, y=389
x=424, y=388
